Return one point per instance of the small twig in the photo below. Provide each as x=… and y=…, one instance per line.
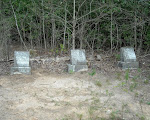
x=145, y=55
x=11, y=60
x=141, y=106
x=44, y=84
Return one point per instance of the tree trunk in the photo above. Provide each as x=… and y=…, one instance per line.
x=18, y=26
x=74, y=25
x=31, y=40
x=53, y=28
x=141, y=41
x=43, y=24
x=118, y=41
x=111, y=38
x=135, y=34
x=64, y=41
x=81, y=36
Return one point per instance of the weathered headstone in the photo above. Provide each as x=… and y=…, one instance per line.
x=127, y=54
x=78, y=57
x=128, y=58
x=21, y=63
x=78, y=61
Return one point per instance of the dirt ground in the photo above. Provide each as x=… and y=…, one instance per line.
x=91, y=95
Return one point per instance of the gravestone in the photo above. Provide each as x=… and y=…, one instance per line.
x=21, y=63
x=78, y=57
x=78, y=61
x=128, y=58
x=127, y=54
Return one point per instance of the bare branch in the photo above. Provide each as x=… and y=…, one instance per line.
x=17, y=26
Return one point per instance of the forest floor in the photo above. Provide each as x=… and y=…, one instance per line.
x=101, y=93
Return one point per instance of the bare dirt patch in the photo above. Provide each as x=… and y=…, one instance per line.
x=78, y=96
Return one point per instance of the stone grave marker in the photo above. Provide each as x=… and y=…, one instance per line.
x=78, y=57
x=21, y=59
x=127, y=54
x=21, y=63
x=128, y=58
x=78, y=61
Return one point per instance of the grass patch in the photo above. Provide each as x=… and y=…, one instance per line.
x=146, y=81
x=133, y=86
x=117, y=56
x=127, y=75
x=114, y=115
x=71, y=71
x=142, y=118
x=148, y=103
x=80, y=116
x=93, y=72
x=118, y=76
x=98, y=83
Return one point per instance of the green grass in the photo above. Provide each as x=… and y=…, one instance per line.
x=71, y=71
x=119, y=75
x=117, y=57
x=148, y=103
x=80, y=116
x=113, y=115
x=98, y=83
x=93, y=72
x=146, y=81
x=142, y=118
x=133, y=86
x=127, y=75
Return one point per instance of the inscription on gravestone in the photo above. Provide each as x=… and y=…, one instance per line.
x=78, y=57
x=21, y=59
x=128, y=54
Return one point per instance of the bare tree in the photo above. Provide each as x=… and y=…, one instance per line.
x=64, y=41
x=53, y=27
x=18, y=26
x=111, y=37
x=45, y=45
x=135, y=29
x=74, y=24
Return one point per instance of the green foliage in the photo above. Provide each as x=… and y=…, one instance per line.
x=147, y=42
x=33, y=15
x=134, y=78
x=107, y=93
x=146, y=81
x=33, y=53
x=123, y=83
x=133, y=86
x=93, y=72
x=119, y=75
x=71, y=71
x=52, y=50
x=57, y=51
x=117, y=57
x=125, y=90
x=80, y=116
x=136, y=94
x=127, y=75
x=142, y=118
x=98, y=83
x=139, y=70
x=114, y=115
x=61, y=47
x=148, y=103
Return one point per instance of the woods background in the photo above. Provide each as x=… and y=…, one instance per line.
x=60, y=25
